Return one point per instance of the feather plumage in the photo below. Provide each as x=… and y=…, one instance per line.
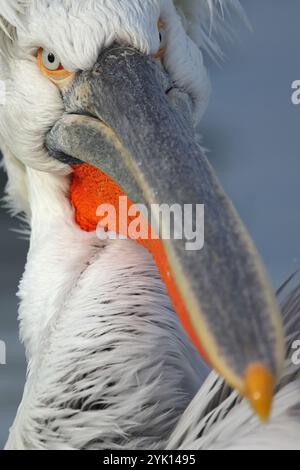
x=109, y=364
x=208, y=22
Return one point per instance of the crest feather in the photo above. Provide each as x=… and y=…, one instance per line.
x=208, y=22
x=10, y=14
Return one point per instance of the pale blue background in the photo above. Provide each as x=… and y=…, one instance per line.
x=252, y=130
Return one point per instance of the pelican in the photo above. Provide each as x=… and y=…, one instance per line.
x=103, y=99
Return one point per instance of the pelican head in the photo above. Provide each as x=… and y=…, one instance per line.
x=107, y=94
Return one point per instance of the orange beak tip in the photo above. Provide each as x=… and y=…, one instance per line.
x=260, y=390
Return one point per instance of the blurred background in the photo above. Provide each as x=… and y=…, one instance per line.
x=253, y=133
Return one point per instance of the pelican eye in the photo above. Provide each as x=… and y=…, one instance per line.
x=162, y=40
x=51, y=66
x=51, y=61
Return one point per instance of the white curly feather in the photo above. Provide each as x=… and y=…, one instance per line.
x=208, y=22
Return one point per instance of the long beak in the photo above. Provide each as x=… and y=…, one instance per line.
x=123, y=118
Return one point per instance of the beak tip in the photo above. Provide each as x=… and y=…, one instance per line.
x=260, y=390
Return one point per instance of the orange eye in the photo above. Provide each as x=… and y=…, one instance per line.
x=50, y=65
x=162, y=40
